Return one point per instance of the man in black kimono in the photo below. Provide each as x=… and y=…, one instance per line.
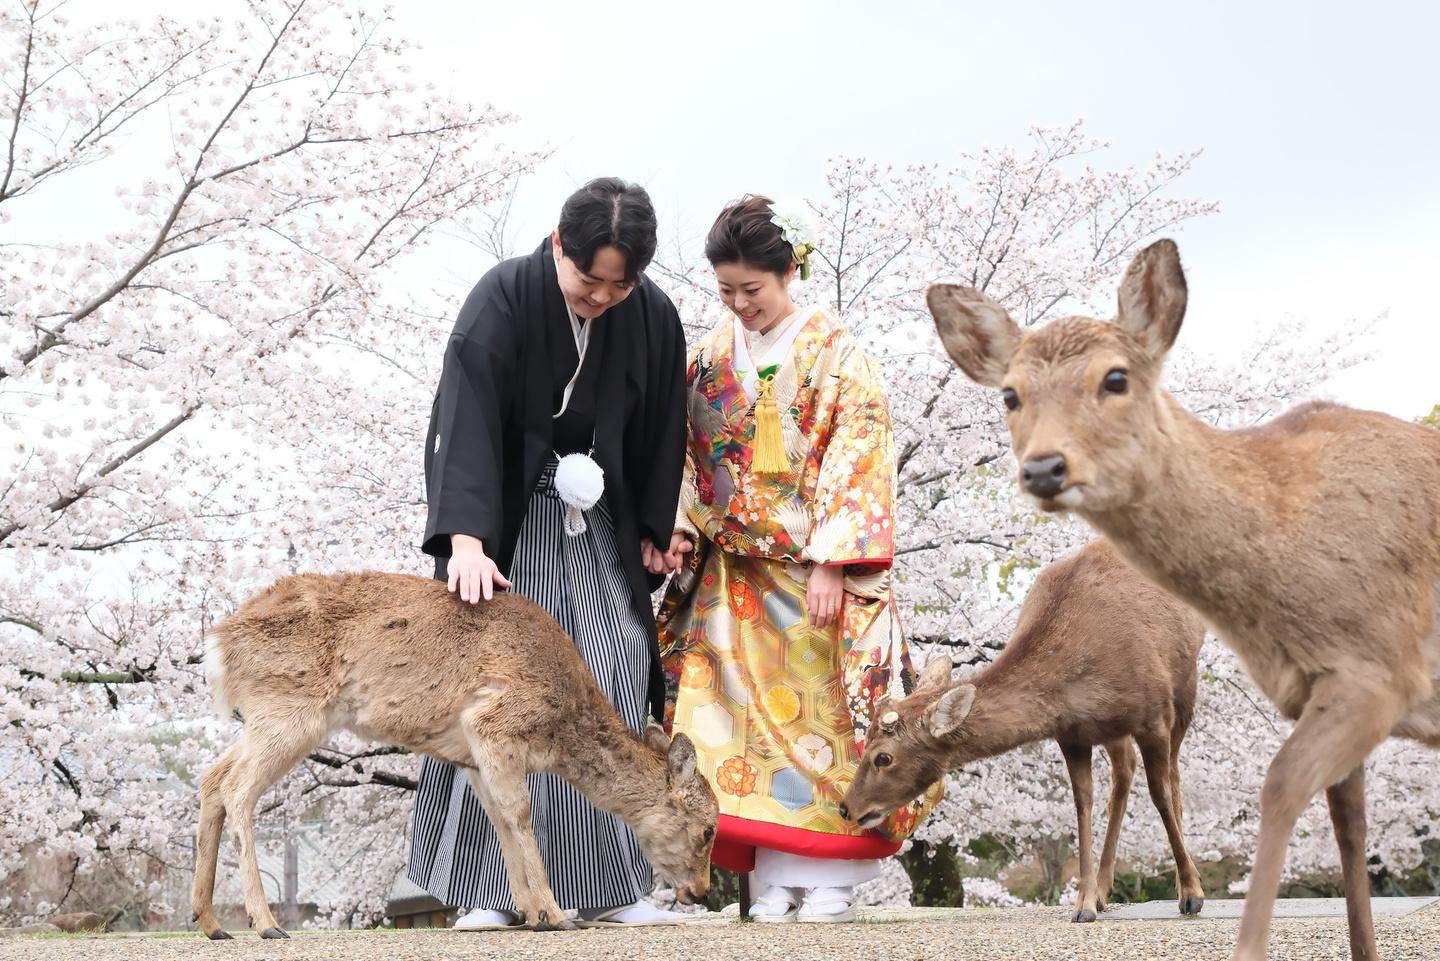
x=570, y=350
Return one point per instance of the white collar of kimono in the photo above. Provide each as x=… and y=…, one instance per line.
x=582, y=341
x=774, y=346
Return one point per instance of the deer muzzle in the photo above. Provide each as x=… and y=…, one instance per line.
x=692, y=894
x=1044, y=476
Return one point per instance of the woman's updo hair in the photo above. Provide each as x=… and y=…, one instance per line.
x=744, y=234
x=608, y=212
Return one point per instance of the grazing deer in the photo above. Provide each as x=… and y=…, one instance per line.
x=1099, y=656
x=1310, y=544
x=498, y=689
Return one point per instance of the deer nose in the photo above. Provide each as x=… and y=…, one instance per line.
x=1044, y=476
x=844, y=811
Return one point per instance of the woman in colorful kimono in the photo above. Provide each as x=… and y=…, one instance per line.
x=569, y=350
x=779, y=631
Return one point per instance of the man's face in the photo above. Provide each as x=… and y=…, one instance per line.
x=591, y=293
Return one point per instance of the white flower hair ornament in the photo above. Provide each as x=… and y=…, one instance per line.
x=798, y=228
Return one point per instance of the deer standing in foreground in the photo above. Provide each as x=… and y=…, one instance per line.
x=1100, y=656
x=1310, y=544
x=498, y=689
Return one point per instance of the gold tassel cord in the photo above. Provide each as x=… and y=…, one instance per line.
x=769, y=455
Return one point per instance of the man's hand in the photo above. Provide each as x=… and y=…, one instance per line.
x=471, y=570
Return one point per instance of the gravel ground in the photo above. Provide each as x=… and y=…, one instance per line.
x=1032, y=934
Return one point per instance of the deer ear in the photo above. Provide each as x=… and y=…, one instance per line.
x=951, y=710
x=937, y=672
x=681, y=759
x=977, y=333
x=1152, y=297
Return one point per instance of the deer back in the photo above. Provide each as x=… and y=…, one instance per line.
x=396, y=658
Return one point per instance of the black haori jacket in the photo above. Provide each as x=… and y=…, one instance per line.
x=492, y=428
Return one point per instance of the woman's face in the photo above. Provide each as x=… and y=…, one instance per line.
x=760, y=298
x=591, y=292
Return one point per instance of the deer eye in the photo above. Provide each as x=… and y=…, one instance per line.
x=709, y=833
x=1011, y=399
x=1116, y=382
x=883, y=760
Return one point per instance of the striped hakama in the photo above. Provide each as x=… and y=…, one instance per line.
x=591, y=857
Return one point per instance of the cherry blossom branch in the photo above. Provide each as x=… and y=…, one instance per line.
x=60, y=503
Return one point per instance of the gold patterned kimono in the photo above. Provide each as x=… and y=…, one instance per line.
x=778, y=710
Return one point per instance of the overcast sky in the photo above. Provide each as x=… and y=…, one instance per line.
x=1318, y=122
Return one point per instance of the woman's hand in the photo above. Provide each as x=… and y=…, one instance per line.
x=824, y=593
x=657, y=561
x=471, y=570
x=680, y=545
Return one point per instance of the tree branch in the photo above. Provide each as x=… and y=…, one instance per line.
x=376, y=777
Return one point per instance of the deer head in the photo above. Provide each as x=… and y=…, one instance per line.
x=677, y=829
x=1082, y=394
x=908, y=747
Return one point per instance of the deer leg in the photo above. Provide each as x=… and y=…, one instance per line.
x=1122, y=776
x=1338, y=728
x=1184, y=714
x=1177, y=737
x=265, y=753
x=1347, y=813
x=1077, y=761
x=207, y=846
x=499, y=783
x=1155, y=752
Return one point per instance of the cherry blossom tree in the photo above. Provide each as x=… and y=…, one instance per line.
x=218, y=377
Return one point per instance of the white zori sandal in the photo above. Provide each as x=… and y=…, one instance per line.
x=827, y=906
x=638, y=915
x=481, y=919
x=777, y=905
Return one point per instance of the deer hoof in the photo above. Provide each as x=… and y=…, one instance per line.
x=1192, y=905
x=273, y=933
x=543, y=923
x=1084, y=916
x=220, y=934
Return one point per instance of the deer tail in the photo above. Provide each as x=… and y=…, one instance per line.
x=214, y=664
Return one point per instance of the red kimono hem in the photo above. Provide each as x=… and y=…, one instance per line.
x=737, y=838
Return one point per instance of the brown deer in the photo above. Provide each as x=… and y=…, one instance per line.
x=1310, y=544
x=496, y=688
x=1099, y=656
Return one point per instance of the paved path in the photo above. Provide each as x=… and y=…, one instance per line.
x=916, y=934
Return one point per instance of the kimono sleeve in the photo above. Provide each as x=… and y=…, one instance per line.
x=855, y=491
x=464, y=449
x=664, y=427
x=689, y=488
